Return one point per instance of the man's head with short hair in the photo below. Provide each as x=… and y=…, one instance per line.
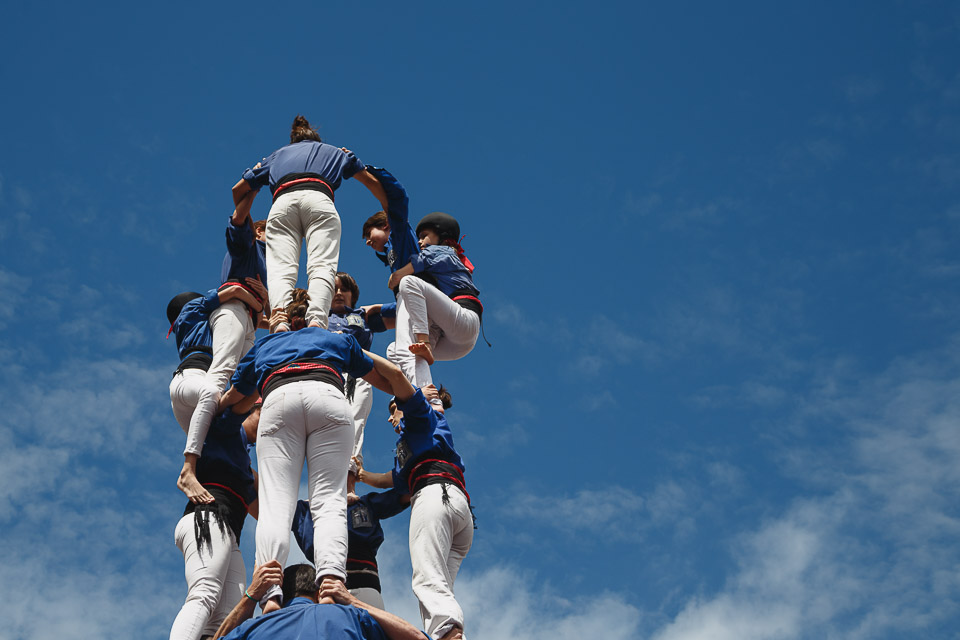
x=299, y=581
x=260, y=229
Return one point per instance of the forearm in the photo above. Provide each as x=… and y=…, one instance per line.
x=230, y=398
x=242, y=211
x=240, y=189
x=395, y=627
x=370, y=181
x=376, y=480
x=388, y=377
x=242, y=612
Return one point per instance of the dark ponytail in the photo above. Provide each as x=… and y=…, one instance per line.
x=297, y=309
x=301, y=130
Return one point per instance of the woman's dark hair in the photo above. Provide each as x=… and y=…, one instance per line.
x=299, y=580
x=301, y=130
x=347, y=282
x=445, y=397
x=297, y=309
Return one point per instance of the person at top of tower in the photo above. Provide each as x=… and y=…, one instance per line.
x=303, y=177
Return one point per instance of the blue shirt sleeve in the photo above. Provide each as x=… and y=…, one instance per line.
x=386, y=504
x=239, y=239
x=245, y=377
x=259, y=177
x=358, y=364
x=389, y=310
x=352, y=165
x=416, y=413
x=211, y=301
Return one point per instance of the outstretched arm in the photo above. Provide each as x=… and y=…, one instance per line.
x=264, y=577
x=241, y=214
x=370, y=182
x=376, y=480
x=395, y=627
x=388, y=377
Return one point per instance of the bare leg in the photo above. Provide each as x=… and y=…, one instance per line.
x=188, y=483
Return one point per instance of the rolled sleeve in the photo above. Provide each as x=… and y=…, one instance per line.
x=419, y=263
x=259, y=177
x=244, y=379
x=211, y=301
x=352, y=165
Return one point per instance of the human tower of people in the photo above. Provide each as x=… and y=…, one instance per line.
x=303, y=393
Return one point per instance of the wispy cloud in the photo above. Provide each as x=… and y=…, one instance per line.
x=873, y=555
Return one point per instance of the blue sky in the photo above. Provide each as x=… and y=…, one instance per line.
x=718, y=249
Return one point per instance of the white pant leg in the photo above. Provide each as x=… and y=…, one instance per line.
x=210, y=575
x=321, y=226
x=453, y=330
x=440, y=537
x=361, y=405
x=233, y=332
x=184, y=393
x=368, y=595
x=234, y=584
x=329, y=443
x=416, y=369
x=284, y=236
x=281, y=443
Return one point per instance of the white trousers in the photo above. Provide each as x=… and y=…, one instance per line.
x=422, y=308
x=184, y=393
x=307, y=420
x=294, y=217
x=233, y=334
x=440, y=537
x=368, y=595
x=216, y=579
x=361, y=405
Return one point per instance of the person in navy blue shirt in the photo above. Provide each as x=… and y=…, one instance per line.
x=365, y=535
x=428, y=466
x=208, y=535
x=189, y=314
x=299, y=375
x=303, y=177
x=327, y=612
x=438, y=307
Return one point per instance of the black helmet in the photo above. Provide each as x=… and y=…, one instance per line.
x=445, y=224
x=175, y=306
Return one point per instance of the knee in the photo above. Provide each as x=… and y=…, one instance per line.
x=409, y=284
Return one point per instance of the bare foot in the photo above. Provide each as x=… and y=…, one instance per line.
x=454, y=634
x=424, y=350
x=187, y=482
x=271, y=606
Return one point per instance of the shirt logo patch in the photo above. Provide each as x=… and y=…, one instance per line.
x=360, y=517
x=354, y=320
x=391, y=256
x=403, y=453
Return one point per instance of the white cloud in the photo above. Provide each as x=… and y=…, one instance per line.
x=870, y=552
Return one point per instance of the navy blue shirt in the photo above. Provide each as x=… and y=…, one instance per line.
x=402, y=244
x=305, y=620
x=192, y=326
x=423, y=431
x=307, y=156
x=338, y=349
x=226, y=456
x=245, y=257
x=353, y=322
x=364, y=533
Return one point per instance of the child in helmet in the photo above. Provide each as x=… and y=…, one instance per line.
x=439, y=310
